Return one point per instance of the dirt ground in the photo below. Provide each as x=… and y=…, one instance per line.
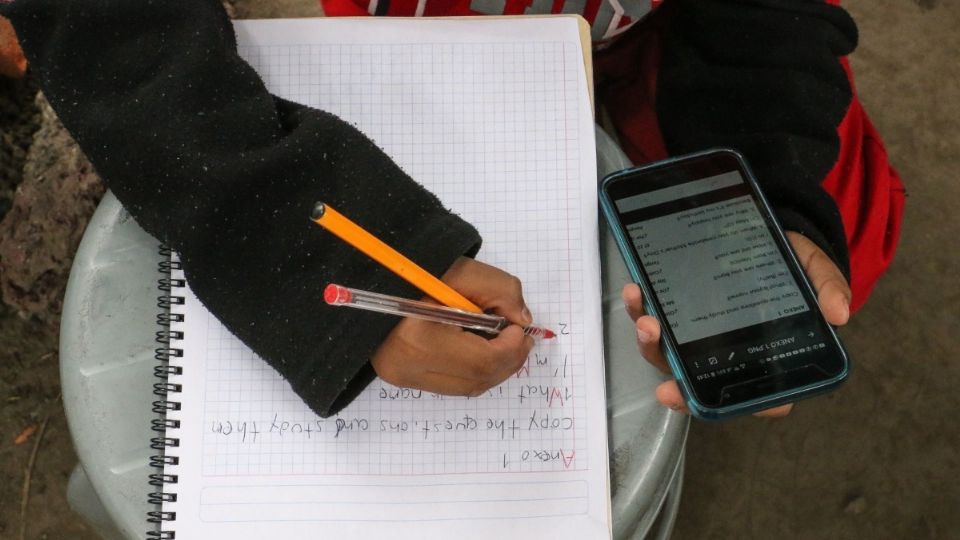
x=877, y=459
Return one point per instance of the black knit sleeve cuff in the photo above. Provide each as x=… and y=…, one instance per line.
x=341, y=373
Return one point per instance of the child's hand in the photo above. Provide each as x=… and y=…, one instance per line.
x=446, y=359
x=833, y=294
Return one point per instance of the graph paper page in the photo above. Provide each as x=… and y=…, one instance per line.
x=493, y=116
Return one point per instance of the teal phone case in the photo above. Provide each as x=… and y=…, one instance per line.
x=667, y=344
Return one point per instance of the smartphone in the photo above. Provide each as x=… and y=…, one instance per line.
x=740, y=324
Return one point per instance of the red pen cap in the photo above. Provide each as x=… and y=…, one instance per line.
x=336, y=294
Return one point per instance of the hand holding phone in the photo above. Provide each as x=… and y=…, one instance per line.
x=742, y=329
x=833, y=294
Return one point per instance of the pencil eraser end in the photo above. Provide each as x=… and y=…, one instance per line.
x=335, y=294
x=319, y=209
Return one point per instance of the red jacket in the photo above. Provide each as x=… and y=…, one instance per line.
x=798, y=114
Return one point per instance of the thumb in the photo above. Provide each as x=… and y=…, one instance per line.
x=490, y=288
x=833, y=292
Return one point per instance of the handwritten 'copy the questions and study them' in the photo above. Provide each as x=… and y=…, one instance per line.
x=494, y=116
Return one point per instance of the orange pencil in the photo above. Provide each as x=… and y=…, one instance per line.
x=391, y=259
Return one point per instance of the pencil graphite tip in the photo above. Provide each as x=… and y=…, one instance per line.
x=318, y=210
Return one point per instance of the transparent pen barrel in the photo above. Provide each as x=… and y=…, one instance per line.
x=426, y=311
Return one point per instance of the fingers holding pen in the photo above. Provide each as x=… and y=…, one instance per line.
x=447, y=360
x=486, y=362
x=490, y=287
x=440, y=357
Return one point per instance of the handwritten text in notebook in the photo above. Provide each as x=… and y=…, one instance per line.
x=500, y=128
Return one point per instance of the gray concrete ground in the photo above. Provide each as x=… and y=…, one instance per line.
x=877, y=459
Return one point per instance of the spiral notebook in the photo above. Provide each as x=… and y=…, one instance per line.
x=458, y=103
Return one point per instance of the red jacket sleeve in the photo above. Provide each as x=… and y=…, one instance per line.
x=870, y=196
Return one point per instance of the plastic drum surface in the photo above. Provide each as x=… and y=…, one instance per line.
x=107, y=347
x=107, y=359
x=646, y=439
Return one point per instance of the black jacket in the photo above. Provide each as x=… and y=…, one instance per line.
x=194, y=146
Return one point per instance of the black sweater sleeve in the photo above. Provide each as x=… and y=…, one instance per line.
x=764, y=77
x=207, y=160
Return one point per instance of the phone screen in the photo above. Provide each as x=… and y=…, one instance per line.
x=733, y=303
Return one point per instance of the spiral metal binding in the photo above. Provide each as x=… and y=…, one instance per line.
x=164, y=390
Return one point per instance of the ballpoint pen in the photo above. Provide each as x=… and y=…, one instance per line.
x=338, y=295
x=391, y=259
